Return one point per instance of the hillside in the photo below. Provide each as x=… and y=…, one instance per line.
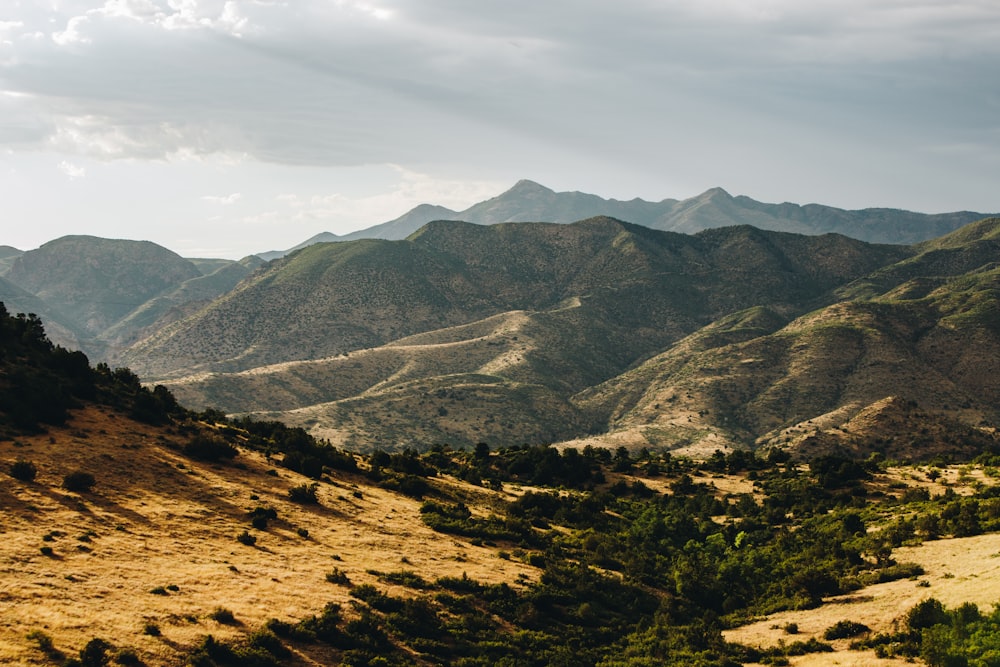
x=581, y=303
x=919, y=349
x=138, y=532
x=102, y=294
x=731, y=338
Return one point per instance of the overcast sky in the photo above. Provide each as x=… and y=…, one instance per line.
x=221, y=128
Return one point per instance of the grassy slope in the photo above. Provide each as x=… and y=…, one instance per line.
x=156, y=518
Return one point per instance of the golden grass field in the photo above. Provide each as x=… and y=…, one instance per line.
x=158, y=520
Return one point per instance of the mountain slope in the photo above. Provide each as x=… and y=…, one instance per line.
x=925, y=346
x=650, y=287
x=93, y=283
x=467, y=333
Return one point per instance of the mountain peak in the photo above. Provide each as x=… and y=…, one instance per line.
x=715, y=193
x=525, y=186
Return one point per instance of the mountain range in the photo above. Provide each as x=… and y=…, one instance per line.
x=528, y=201
x=593, y=331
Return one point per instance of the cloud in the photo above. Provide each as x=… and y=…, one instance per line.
x=225, y=200
x=691, y=90
x=71, y=170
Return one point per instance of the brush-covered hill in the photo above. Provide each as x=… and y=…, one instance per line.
x=101, y=294
x=906, y=367
x=466, y=333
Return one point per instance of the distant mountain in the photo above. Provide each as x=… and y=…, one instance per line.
x=467, y=332
x=99, y=293
x=95, y=282
x=7, y=256
x=528, y=201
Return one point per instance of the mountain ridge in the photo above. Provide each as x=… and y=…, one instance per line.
x=528, y=201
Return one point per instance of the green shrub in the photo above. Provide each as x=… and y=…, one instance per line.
x=23, y=470
x=405, y=578
x=246, y=538
x=845, y=629
x=79, y=482
x=304, y=493
x=338, y=576
x=223, y=615
x=128, y=656
x=151, y=629
x=209, y=448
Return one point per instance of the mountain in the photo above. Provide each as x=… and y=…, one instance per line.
x=906, y=366
x=465, y=333
x=528, y=201
x=7, y=256
x=100, y=294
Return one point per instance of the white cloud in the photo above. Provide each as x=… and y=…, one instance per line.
x=71, y=34
x=71, y=170
x=225, y=200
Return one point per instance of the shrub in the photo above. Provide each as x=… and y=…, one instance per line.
x=128, y=656
x=304, y=493
x=405, y=578
x=159, y=590
x=23, y=470
x=46, y=551
x=259, y=516
x=151, y=629
x=79, y=482
x=338, y=576
x=302, y=532
x=223, y=615
x=95, y=653
x=845, y=629
x=209, y=448
x=246, y=538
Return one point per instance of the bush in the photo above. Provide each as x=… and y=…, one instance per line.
x=151, y=629
x=845, y=629
x=246, y=538
x=209, y=448
x=23, y=470
x=95, y=653
x=338, y=576
x=304, y=493
x=128, y=656
x=79, y=482
x=223, y=615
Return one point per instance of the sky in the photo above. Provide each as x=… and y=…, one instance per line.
x=220, y=128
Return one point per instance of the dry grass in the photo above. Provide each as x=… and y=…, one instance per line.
x=956, y=571
x=156, y=519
